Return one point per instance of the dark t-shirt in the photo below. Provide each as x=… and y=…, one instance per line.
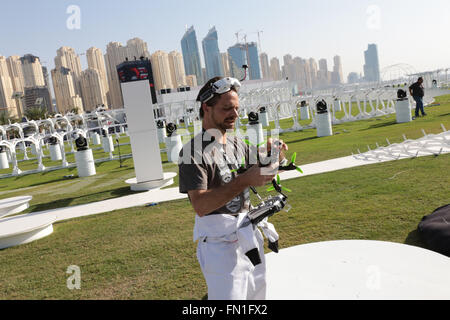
x=205, y=164
x=417, y=89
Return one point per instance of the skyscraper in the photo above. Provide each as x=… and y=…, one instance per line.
x=313, y=71
x=191, y=80
x=67, y=57
x=372, y=65
x=191, y=55
x=264, y=59
x=15, y=72
x=211, y=53
x=253, y=61
x=236, y=58
x=115, y=55
x=225, y=64
x=289, y=68
x=32, y=71
x=161, y=70
x=38, y=97
x=92, y=89
x=353, y=77
x=177, y=72
x=137, y=48
x=96, y=61
x=65, y=93
x=322, y=73
x=337, y=76
x=275, y=71
x=7, y=104
x=244, y=54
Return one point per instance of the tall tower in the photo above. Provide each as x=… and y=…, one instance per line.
x=7, y=103
x=32, y=71
x=96, y=61
x=337, y=77
x=15, y=72
x=65, y=93
x=92, y=89
x=115, y=55
x=289, y=68
x=372, y=65
x=191, y=55
x=247, y=54
x=137, y=48
x=264, y=59
x=313, y=71
x=275, y=71
x=322, y=73
x=67, y=57
x=211, y=53
x=177, y=72
x=161, y=70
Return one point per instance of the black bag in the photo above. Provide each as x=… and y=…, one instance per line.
x=434, y=230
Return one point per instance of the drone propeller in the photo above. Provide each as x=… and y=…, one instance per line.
x=277, y=186
x=251, y=144
x=291, y=166
x=293, y=158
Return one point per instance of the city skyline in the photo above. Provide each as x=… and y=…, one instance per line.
x=298, y=28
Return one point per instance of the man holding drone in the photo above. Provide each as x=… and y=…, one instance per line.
x=230, y=249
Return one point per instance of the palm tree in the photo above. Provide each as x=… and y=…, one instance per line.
x=5, y=118
x=36, y=113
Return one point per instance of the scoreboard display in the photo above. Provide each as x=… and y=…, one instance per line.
x=137, y=70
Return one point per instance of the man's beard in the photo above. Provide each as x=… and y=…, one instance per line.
x=225, y=125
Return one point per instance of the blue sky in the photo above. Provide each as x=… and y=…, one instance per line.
x=406, y=31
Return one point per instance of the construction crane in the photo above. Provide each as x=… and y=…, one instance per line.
x=237, y=35
x=259, y=39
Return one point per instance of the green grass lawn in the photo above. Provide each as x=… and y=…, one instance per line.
x=148, y=253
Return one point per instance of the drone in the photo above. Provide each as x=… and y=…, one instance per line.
x=273, y=204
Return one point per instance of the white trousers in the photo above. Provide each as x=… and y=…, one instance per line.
x=229, y=273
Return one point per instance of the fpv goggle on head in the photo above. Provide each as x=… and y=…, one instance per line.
x=220, y=87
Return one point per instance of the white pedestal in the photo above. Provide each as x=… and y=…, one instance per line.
x=198, y=126
x=55, y=152
x=162, y=134
x=337, y=106
x=264, y=119
x=4, y=164
x=85, y=163
x=95, y=138
x=323, y=125
x=304, y=113
x=23, y=229
x=142, y=131
x=107, y=144
x=255, y=134
x=14, y=205
x=403, y=111
x=33, y=149
x=173, y=147
x=167, y=180
x=357, y=269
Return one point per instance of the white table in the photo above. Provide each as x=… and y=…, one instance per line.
x=24, y=228
x=14, y=205
x=357, y=269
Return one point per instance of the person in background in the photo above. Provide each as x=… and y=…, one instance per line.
x=417, y=92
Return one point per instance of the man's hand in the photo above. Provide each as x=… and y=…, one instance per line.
x=259, y=176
